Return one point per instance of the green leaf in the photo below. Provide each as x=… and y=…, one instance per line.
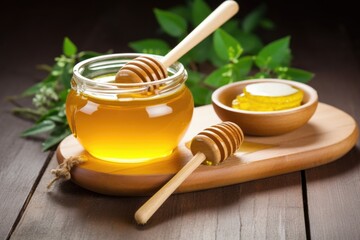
x=242, y=67
x=200, y=10
x=274, y=54
x=201, y=95
x=59, y=66
x=63, y=95
x=54, y=140
x=27, y=113
x=152, y=46
x=267, y=24
x=194, y=78
x=230, y=26
x=261, y=75
x=44, y=67
x=57, y=119
x=182, y=11
x=200, y=53
x=32, y=90
x=250, y=42
x=44, y=126
x=171, y=23
x=226, y=47
x=215, y=59
x=295, y=74
x=252, y=20
x=55, y=111
x=186, y=59
x=87, y=54
x=50, y=78
x=66, y=75
x=48, y=114
x=69, y=48
x=220, y=77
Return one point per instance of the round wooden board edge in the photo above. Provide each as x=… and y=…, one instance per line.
x=148, y=184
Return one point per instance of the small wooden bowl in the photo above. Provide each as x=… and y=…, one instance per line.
x=264, y=123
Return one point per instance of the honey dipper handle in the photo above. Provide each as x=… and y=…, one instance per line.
x=144, y=213
x=218, y=17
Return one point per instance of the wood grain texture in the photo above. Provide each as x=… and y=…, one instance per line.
x=264, y=209
x=270, y=208
x=19, y=167
x=21, y=160
x=34, y=38
x=334, y=189
x=327, y=136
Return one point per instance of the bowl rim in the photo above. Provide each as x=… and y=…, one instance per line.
x=313, y=96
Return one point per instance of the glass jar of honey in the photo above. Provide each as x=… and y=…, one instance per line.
x=125, y=122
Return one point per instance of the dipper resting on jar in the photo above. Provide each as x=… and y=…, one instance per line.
x=147, y=69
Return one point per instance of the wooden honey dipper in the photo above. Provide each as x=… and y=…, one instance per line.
x=148, y=69
x=214, y=144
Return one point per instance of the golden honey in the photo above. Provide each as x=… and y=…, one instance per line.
x=268, y=97
x=126, y=123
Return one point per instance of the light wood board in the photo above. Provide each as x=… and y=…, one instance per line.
x=328, y=135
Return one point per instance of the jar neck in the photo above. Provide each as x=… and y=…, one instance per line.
x=96, y=76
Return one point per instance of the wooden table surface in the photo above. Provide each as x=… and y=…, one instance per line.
x=319, y=203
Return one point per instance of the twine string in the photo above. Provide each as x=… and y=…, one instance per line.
x=63, y=169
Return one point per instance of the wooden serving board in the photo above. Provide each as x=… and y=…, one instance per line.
x=328, y=135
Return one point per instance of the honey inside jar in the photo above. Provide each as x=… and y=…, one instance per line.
x=129, y=125
x=268, y=97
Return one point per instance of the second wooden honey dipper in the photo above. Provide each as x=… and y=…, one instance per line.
x=214, y=145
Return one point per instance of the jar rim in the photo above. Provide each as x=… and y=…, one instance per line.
x=79, y=68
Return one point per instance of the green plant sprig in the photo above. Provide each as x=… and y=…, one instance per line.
x=233, y=53
x=49, y=97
